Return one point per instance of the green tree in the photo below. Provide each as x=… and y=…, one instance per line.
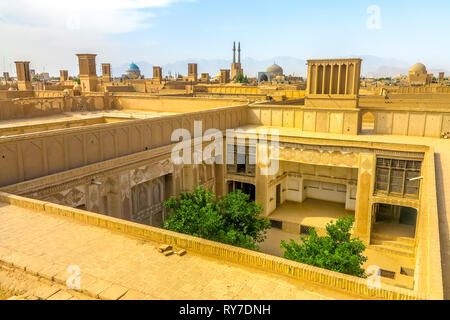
x=232, y=219
x=241, y=79
x=77, y=81
x=337, y=251
x=242, y=220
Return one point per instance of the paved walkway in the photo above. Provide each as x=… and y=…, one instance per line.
x=15, y=284
x=115, y=266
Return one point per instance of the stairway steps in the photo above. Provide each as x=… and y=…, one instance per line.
x=383, y=237
x=393, y=244
x=393, y=251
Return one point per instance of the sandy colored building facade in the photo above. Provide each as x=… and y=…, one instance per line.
x=335, y=152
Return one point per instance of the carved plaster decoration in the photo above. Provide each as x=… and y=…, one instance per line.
x=317, y=157
x=72, y=198
x=125, y=188
x=151, y=172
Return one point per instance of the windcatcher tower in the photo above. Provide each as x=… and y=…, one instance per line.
x=192, y=72
x=157, y=73
x=106, y=72
x=63, y=75
x=88, y=72
x=332, y=95
x=333, y=83
x=224, y=76
x=23, y=75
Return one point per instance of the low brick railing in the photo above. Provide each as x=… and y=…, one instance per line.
x=345, y=283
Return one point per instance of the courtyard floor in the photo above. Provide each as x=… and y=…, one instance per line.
x=312, y=213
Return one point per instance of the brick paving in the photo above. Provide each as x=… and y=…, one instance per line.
x=115, y=266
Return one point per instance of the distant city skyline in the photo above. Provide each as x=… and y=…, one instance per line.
x=49, y=33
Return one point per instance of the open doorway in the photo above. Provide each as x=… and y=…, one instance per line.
x=397, y=221
x=278, y=195
x=246, y=188
x=263, y=78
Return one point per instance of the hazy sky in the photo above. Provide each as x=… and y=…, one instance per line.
x=50, y=32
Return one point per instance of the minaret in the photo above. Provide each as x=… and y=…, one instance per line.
x=239, y=53
x=234, y=52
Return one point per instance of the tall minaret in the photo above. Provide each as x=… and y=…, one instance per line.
x=234, y=52
x=239, y=53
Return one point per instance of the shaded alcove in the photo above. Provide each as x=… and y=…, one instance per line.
x=368, y=123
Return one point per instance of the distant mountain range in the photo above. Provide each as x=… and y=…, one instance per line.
x=372, y=66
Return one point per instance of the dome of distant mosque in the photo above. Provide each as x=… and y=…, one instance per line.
x=133, y=67
x=275, y=69
x=419, y=68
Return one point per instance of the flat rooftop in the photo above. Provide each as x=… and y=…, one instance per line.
x=107, y=257
x=438, y=144
x=71, y=120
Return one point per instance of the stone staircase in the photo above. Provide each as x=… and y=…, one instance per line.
x=399, y=246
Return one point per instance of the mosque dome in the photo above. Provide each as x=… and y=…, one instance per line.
x=419, y=68
x=133, y=72
x=133, y=67
x=275, y=69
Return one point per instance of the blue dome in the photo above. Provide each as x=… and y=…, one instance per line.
x=133, y=66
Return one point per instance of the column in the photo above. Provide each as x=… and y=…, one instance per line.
x=339, y=78
x=309, y=80
x=262, y=190
x=363, y=213
x=324, y=70
x=346, y=79
x=331, y=78
x=356, y=80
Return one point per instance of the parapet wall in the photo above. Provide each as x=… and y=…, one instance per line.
x=421, y=123
x=428, y=273
x=122, y=88
x=305, y=119
x=348, y=284
x=33, y=155
x=152, y=103
x=251, y=91
x=423, y=90
x=48, y=103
